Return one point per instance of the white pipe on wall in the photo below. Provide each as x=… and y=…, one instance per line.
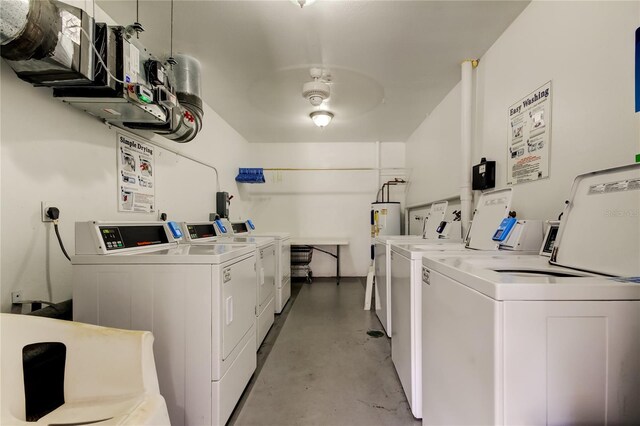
x=379, y=162
x=466, y=195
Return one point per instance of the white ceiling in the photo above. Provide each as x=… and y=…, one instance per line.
x=391, y=62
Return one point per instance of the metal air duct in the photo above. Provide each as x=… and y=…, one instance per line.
x=43, y=42
x=187, y=85
x=185, y=119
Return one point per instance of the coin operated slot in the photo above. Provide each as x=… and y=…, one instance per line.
x=175, y=230
x=221, y=226
x=504, y=229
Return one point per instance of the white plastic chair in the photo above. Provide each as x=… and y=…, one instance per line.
x=109, y=378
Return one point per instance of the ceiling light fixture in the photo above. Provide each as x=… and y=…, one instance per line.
x=303, y=3
x=321, y=118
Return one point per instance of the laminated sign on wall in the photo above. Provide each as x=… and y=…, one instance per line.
x=529, y=137
x=136, y=185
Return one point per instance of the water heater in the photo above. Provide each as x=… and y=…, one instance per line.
x=385, y=219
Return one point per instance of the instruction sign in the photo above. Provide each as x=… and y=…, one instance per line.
x=136, y=183
x=529, y=137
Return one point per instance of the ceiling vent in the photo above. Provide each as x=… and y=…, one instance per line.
x=317, y=90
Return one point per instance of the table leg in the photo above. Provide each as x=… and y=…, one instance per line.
x=338, y=263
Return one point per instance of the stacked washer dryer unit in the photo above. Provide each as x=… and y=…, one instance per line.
x=382, y=259
x=542, y=340
x=406, y=284
x=207, y=233
x=283, y=259
x=198, y=301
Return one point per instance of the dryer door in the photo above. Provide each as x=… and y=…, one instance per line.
x=238, y=303
x=268, y=271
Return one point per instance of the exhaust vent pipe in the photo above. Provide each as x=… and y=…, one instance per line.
x=50, y=43
x=42, y=41
x=28, y=29
x=187, y=84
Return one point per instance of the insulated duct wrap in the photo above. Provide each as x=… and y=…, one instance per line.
x=187, y=84
x=28, y=29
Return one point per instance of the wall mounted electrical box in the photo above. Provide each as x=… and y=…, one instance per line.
x=222, y=204
x=484, y=175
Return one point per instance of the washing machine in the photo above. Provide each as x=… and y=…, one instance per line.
x=207, y=233
x=406, y=284
x=198, y=301
x=382, y=258
x=283, y=259
x=541, y=340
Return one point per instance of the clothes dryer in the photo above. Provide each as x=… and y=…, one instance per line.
x=283, y=259
x=208, y=233
x=199, y=302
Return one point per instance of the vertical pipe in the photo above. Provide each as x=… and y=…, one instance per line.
x=378, y=164
x=466, y=196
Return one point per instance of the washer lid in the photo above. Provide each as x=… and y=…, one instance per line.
x=600, y=227
x=436, y=216
x=491, y=209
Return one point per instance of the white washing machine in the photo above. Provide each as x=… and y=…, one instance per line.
x=382, y=259
x=283, y=259
x=528, y=340
x=406, y=267
x=199, y=302
x=207, y=233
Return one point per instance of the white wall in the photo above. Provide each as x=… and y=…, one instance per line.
x=433, y=151
x=53, y=152
x=323, y=203
x=587, y=50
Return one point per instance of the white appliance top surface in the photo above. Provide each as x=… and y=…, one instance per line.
x=436, y=216
x=600, y=227
x=492, y=207
x=416, y=250
x=257, y=241
x=528, y=277
x=212, y=254
x=389, y=239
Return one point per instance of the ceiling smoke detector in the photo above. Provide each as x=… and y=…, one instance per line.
x=317, y=90
x=303, y=3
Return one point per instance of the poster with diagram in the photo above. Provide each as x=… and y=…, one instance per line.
x=529, y=137
x=136, y=183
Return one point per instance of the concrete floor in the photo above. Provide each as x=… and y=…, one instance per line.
x=318, y=366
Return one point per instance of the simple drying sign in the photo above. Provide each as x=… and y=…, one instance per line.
x=529, y=137
x=136, y=183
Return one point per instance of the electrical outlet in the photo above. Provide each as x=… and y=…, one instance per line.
x=16, y=296
x=43, y=210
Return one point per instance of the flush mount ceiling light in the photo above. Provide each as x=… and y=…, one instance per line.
x=303, y=3
x=321, y=118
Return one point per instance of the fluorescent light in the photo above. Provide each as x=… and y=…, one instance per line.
x=321, y=118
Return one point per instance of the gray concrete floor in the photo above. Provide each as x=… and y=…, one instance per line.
x=318, y=366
